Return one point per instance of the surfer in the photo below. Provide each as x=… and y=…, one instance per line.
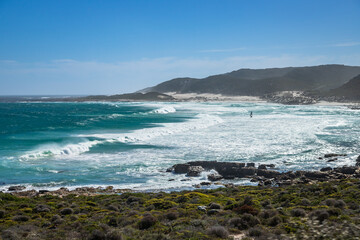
x=250, y=114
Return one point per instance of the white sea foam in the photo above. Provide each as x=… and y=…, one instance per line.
x=202, y=121
x=138, y=136
x=164, y=110
x=49, y=150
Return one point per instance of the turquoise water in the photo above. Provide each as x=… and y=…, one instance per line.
x=130, y=145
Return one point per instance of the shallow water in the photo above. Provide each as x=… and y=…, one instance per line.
x=130, y=145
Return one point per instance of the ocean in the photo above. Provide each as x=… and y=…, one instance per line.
x=130, y=145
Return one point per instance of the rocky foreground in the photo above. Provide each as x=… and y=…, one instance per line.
x=321, y=210
x=321, y=204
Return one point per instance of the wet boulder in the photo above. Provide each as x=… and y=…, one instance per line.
x=194, y=171
x=214, y=177
x=316, y=175
x=262, y=166
x=325, y=169
x=208, y=165
x=181, y=168
x=16, y=188
x=329, y=155
x=268, y=173
x=346, y=169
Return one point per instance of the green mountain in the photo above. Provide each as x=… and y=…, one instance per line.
x=350, y=90
x=257, y=82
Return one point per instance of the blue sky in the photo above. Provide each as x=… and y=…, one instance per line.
x=107, y=47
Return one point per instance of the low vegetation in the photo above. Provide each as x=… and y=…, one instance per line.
x=328, y=210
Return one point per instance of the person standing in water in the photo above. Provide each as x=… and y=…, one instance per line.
x=250, y=114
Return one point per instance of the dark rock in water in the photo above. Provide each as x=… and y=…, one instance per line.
x=316, y=175
x=326, y=169
x=184, y=180
x=170, y=169
x=262, y=166
x=250, y=164
x=194, y=171
x=43, y=191
x=268, y=182
x=346, y=170
x=329, y=155
x=358, y=161
x=170, y=180
x=332, y=160
x=181, y=168
x=214, y=177
x=208, y=165
x=205, y=183
x=16, y=188
x=270, y=165
x=268, y=173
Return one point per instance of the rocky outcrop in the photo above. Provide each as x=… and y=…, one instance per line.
x=263, y=175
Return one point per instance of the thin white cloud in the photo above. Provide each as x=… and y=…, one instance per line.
x=346, y=44
x=92, y=77
x=222, y=50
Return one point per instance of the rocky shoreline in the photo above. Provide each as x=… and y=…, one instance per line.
x=262, y=174
x=265, y=174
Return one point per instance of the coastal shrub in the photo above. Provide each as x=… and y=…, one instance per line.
x=351, y=205
x=340, y=204
x=248, y=200
x=161, y=203
x=2, y=213
x=266, y=203
x=330, y=202
x=56, y=219
x=245, y=221
x=218, y=231
x=298, y=212
x=147, y=222
x=41, y=208
x=113, y=222
x=113, y=208
x=132, y=199
x=214, y=206
x=305, y=202
x=171, y=216
x=268, y=214
x=274, y=221
x=246, y=209
x=10, y=235
x=334, y=211
x=114, y=235
x=21, y=218
x=320, y=215
x=97, y=235
x=66, y=211
x=255, y=232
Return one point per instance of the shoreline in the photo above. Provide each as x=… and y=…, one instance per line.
x=224, y=174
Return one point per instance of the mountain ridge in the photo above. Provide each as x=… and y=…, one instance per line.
x=257, y=82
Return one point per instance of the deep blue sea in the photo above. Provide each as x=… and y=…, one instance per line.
x=130, y=145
